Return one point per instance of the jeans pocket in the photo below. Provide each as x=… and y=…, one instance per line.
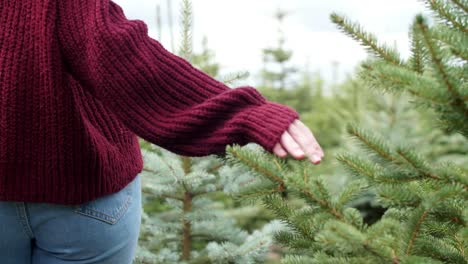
x=109, y=208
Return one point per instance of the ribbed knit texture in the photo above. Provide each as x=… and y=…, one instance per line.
x=79, y=82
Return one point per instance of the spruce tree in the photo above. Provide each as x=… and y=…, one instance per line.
x=276, y=60
x=190, y=225
x=425, y=202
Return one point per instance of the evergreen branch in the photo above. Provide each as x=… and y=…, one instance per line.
x=254, y=166
x=286, y=214
x=390, y=230
x=371, y=171
x=255, y=195
x=253, y=248
x=417, y=52
x=322, y=203
x=351, y=192
x=323, y=258
x=360, y=167
x=462, y=55
x=461, y=5
x=195, y=236
x=171, y=197
x=451, y=171
x=278, y=165
x=353, y=216
x=252, y=192
x=460, y=245
x=297, y=259
x=444, y=249
x=201, y=259
x=399, y=82
x=399, y=175
x=232, y=77
x=372, y=143
x=440, y=196
x=186, y=241
x=186, y=24
x=245, y=183
x=149, y=170
x=293, y=240
x=366, y=246
x=418, y=164
x=345, y=237
x=322, y=190
x=186, y=168
x=416, y=231
x=444, y=13
x=389, y=196
x=281, y=209
x=176, y=180
x=219, y=187
x=455, y=40
x=357, y=166
x=214, y=169
x=149, y=191
x=457, y=101
x=435, y=54
x=366, y=39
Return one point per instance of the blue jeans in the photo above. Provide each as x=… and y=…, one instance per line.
x=103, y=231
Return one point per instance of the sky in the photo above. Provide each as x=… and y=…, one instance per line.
x=238, y=30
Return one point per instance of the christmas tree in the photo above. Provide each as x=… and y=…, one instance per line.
x=193, y=227
x=425, y=202
x=276, y=69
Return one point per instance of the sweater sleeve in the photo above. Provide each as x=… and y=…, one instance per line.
x=158, y=95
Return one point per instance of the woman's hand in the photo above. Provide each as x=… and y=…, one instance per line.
x=299, y=141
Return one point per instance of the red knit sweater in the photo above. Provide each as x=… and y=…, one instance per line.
x=79, y=82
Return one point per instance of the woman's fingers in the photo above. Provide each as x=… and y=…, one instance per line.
x=290, y=145
x=279, y=150
x=299, y=141
x=306, y=142
x=308, y=133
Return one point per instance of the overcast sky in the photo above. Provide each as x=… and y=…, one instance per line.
x=238, y=29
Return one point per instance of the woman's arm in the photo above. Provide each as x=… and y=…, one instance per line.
x=158, y=95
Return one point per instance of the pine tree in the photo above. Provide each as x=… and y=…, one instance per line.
x=184, y=220
x=193, y=227
x=426, y=205
x=277, y=59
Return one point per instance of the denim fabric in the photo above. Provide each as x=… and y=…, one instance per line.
x=103, y=231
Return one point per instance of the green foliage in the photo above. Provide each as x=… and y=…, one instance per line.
x=425, y=217
x=426, y=205
x=192, y=227
x=185, y=49
x=368, y=40
x=452, y=13
x=434, y=75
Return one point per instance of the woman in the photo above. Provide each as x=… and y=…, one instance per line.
x=78, y=83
